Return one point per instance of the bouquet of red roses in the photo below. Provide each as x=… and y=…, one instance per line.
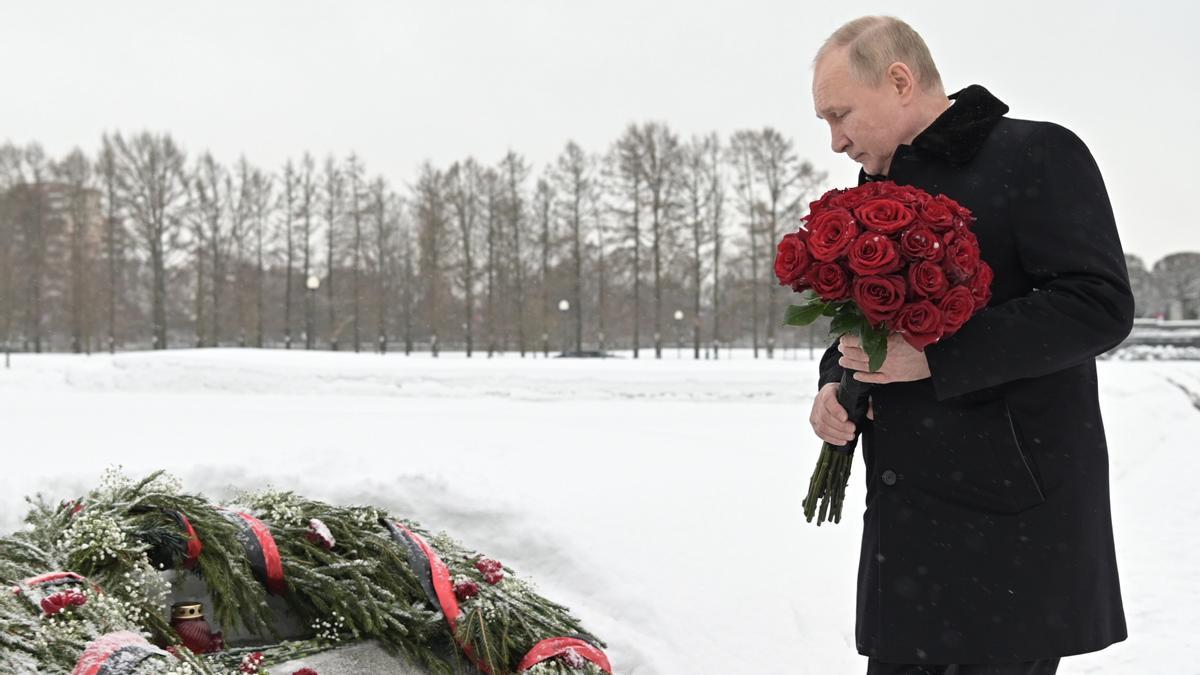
x=879, y=259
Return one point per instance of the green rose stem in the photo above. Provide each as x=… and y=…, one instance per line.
x=829, y=479
x=827, y=486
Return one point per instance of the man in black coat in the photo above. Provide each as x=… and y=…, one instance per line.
x=987, y=540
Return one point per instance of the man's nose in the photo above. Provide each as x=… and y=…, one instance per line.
x=839, y=143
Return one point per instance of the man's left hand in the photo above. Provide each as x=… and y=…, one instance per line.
x=903, y=363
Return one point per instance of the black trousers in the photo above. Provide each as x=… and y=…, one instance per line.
x=1039, y=667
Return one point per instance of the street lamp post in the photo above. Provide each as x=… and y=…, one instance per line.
x=563, y=308
x=312, y=284
x=678, y=334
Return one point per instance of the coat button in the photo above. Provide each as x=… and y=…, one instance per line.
x=889, y=477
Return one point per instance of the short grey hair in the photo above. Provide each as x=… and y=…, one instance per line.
x=877, y=42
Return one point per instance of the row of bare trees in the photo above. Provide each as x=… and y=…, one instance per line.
x=141, y=245
x=1170, y=289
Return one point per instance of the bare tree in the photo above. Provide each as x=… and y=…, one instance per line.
x=515, y=172
x=9, y=255
x=716, y=200
x=308, y=199
x=29, y=197
x=408, y=283
x=698, y=172
x=1178, y=275
x=242, y=231
x=741, y=153
x=334, y=204
x=155, y=192
x=660, y=156
x=354, y=181
x=544, y=205
x=785, y=181
x=288, y=197
x=574, y=184
x=384, y=227
x=464, y=180
x=114, y=230
x=596, y=211
x=75, y=175
x=625, y=162
x=258, y=197
x=491, y=198
x=1147, y=294
x=432, y=218
x=213, y=234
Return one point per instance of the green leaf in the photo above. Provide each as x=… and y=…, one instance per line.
x=875, y=345
x=802, y=315
x=846, y=323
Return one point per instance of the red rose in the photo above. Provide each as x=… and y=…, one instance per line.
x=962, y=258
x=319, y=534
x=791, y=258
x=981, y=285
x=465, y=590
x=851, y=199
x=956, y=306
x=962, y=215
x=937, y=214
x=905, y=194
x=884, y=215
x=830, y=281
x=873, y=254
x=492, y=570
x=960, y=231
x=919, y=323
x=305, y=671
x=251, y=663
x=878, y=298
x=830, y=234
x=824, y=202
x=920, y=243
x=488, y=565
x=61, y=601
x=927, y=280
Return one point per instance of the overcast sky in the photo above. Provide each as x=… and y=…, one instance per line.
x=400, y=82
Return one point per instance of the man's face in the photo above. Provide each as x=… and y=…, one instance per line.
x=866, y=123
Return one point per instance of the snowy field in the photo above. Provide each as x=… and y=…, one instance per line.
x=658, y=499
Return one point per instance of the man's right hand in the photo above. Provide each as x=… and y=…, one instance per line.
x=829, y=419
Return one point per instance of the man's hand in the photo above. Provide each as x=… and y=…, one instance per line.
x=903, y=363
x=829, y=418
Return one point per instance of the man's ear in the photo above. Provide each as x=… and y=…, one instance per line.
x=900, y=78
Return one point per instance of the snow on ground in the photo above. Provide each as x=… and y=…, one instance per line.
x=658, y=499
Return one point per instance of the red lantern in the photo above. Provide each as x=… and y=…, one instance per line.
x=187, y=618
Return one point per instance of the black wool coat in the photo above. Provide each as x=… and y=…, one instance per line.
x=987, y=534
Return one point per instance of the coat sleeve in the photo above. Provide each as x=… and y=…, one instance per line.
x=830, y=371
x=1080, y=305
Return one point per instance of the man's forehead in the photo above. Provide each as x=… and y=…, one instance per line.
x=829, y=77
x=827, y=96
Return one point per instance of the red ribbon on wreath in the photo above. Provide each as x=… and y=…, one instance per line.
x=439, y=576
x=260, y=550
x=37, y=588
x=552, y=647
x=115, y=654
x=194, y=545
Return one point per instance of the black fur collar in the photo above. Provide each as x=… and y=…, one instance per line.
x=958, y=133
